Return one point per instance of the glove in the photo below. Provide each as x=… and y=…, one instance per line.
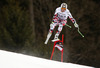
x=76, y=25
x=52, y=22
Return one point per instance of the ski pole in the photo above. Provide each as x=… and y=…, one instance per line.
x=80, y=32
x=68, y=25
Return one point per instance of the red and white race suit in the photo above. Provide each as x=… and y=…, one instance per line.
x=60, y=19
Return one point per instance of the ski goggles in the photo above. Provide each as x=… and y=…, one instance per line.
x=63, y=8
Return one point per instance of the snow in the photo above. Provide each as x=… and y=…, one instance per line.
x=15, y=60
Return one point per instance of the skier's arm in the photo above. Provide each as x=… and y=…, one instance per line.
x=72, y=19
x=55, y=17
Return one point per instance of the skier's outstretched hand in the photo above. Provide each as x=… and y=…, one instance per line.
x=76, y=25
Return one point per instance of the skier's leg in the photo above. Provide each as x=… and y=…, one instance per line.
x=58, y=32
x=52, y=26
x=61, y=24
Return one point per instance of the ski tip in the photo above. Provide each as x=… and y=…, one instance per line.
x=45, y=42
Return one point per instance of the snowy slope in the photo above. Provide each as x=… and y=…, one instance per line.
x=15, y=60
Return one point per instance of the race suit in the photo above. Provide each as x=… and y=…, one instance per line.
x=60, y=19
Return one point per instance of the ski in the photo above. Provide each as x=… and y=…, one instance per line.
x=48, y=37
x=55, y=40
x=80, y=32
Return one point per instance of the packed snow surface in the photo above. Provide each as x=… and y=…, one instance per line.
x=15, y=60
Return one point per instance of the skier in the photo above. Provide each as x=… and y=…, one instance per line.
x=60, y=18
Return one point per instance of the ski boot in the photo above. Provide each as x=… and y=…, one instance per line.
x=56, y=38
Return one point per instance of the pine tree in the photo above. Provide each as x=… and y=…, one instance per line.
x=15, y=29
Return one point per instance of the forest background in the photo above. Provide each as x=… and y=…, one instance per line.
x=24, y=25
